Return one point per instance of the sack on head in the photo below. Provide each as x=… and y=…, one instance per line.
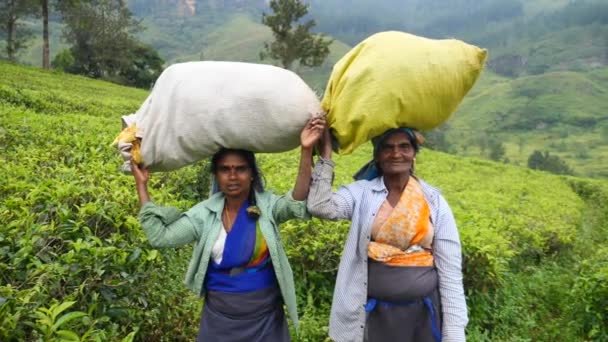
x=196, y=108
x=395, y=79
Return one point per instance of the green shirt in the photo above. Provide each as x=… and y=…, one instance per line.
x=168, y=227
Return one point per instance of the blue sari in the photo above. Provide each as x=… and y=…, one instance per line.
x=243, y=301
x=245, y=264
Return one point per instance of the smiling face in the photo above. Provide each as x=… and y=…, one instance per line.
x=396, y=154
x=234, y=175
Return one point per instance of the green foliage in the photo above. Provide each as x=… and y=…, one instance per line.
x=216, y=35
x=497, y=150
x=63, y=61
x=48, y=323
x=55, y=93
x=591, y=285
x=558, y=112
x=68, y=234
x=590, y=290
x=11, y=26
x=546, y=162
x=103, y=46
x=436, y=139
x=74, y=263
x=143, y=69
x=604, y=133
x=290, y=43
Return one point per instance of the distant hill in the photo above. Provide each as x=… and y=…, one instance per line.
x=241, y=39
x=563, y=112
x=544, y=88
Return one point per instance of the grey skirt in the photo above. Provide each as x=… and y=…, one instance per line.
x=252, y=316
x=401, y=313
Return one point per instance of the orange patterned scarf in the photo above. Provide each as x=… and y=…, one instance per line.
x=405, y=237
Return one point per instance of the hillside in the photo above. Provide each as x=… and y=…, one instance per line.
x=561, y=112
x=240, y=38
x=70, y=244
x=544, y=87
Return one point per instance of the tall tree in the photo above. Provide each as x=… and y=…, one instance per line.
x=497, y=149
x=547, y=162
x=293, y=43
x=10, y=13
x=46, y=6
x=45, y=34
x=101, y=34
x=143, y=70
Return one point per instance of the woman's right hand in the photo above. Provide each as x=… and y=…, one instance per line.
x=141, y=181
x=141, y=175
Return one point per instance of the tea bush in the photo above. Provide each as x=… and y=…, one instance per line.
x=75, y=264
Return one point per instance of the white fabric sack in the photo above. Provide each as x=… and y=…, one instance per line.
x=196, y=108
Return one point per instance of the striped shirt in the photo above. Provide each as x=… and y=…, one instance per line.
x=359, y=202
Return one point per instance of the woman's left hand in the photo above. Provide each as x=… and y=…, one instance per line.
x=312, y=132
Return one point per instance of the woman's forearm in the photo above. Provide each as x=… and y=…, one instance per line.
x=300, y=190
x=142, y=193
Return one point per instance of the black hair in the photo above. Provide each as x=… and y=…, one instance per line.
x=256, y=185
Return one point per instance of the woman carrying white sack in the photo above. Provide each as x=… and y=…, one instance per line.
x=238, y=264
x=228, y=111
x=196, y=108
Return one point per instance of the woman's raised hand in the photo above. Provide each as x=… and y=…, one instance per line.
x=312, y=132
x=141, y=175
x=141, y=182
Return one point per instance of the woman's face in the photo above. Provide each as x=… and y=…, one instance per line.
x=234, y=176
x=396, y=154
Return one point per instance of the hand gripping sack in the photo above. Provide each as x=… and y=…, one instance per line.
x=196, y=108
x=395, y=79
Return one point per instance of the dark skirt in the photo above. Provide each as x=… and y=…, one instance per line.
x=401, y=314
x=251, y=316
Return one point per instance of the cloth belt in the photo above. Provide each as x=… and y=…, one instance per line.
x=373, y=302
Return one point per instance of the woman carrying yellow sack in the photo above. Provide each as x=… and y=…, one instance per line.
x=400, y=276
x=238, y=264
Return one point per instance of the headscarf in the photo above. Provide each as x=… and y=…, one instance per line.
x=370, y=170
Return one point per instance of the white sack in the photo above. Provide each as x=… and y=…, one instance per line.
x=196, y=108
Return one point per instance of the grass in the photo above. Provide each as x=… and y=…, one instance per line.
x=516, y=225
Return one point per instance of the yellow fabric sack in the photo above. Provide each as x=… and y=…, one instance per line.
x=395, y=79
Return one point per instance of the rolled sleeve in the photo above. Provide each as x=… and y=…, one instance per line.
x=166, y=226
x=286, y=208
x=322, y=202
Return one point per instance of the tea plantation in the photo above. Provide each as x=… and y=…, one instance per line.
x=75, y=264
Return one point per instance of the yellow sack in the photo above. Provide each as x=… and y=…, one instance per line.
x=395, y=79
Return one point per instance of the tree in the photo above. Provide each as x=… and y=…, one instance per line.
x=437, y=139
x=293, y=43
x=45, y=33
x=45, y=7
x=604, y=133
x=145, y=67
x=546, y=162
x=10, y=13
x=103, y=46
x=63, y=61
x=101, y=36
x=497, y=150
x=481, y=140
